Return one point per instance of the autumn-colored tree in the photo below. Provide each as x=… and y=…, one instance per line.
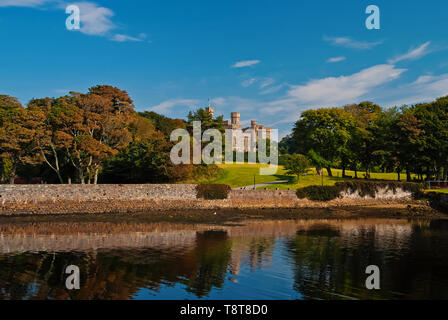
x=16, y=143
x=93, y=127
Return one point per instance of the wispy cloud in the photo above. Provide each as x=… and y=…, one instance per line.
x=266, y=82
x=335, y=91
x=348, y=42
x=23, y=3
x=336, y=59
x=166, y=106
x=425, y=88
x=272, y=89
x=245, y=63
x=248, y=82
x=413, y=54
x=95, y=20
x=124, y=38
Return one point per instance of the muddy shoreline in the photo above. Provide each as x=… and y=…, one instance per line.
x=414, y=210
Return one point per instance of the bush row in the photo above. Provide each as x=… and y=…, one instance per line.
x=363, y=188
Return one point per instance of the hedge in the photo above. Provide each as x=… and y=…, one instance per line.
x=364, y=188
x=319, y=193
x=212, y=191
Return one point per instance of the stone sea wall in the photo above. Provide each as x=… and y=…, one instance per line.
x=67, y=199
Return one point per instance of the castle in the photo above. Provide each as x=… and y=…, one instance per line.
x=243, y=139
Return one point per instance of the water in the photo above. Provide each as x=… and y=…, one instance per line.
x=304, y=259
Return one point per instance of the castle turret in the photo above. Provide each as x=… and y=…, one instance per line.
x=253, y=123
x=211, y=111
x=235, y=118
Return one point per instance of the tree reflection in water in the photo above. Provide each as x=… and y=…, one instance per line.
x=327, y=259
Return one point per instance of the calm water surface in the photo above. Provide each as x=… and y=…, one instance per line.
x=305, y=259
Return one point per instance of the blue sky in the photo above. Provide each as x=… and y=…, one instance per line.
x=267, y=59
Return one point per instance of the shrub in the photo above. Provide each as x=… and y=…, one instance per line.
x=319, y=193
x=212, y=191
x=206, y=172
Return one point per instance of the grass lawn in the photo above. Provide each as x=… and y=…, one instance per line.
x=241, y=175
x=438, y=190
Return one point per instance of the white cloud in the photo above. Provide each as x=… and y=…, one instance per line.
x=124, y=38
x=336, y=59
x=334, y=91
x=348, y=42
x=22, y=3
x=95, y=20
x=166, y=106
x=272, y=89
x=248, y=82
x=413, y=54
x=266, y=82
x=426, y=88
x=246, y=63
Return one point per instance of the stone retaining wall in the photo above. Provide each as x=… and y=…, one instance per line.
x=67, y=199
x=78, y=192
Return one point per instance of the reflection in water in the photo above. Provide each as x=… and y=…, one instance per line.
x=304, y=259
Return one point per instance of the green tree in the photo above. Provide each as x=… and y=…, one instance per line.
x=297, y=164
x=326, y=131
x=362, y=141
x=207, y=121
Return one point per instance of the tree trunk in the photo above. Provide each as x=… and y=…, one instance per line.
x=330, y=174
x=398, y=174
x=319, y=171
x=343, y=172
x=408, y=175
x=367, y=173
x=356, y=173
x=95, y=179
x=81, y=176
x=12, y=175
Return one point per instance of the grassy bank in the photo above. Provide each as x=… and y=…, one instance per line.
x=241, y=175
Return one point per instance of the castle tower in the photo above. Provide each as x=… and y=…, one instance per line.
x=211, y=111
x=235, y=118
x=253, y=123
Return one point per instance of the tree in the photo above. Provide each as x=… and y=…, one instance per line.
x=326, y=131
x=164, y=124
x=362, y=143
x=434, y=119
x=207, y=121
x=297, y=164
x=16, y=143
x=93, y=127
